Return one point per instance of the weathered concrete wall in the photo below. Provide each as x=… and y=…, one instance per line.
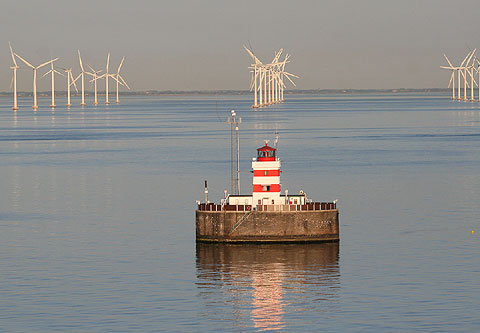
x=303, y=226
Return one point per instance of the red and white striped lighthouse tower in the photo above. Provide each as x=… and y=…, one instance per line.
x=266, y=177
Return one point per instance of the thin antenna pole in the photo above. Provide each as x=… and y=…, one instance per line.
x=238, y=159
x=235, y=152
x=232, y=157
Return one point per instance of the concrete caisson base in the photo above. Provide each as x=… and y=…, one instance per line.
x=265, y=227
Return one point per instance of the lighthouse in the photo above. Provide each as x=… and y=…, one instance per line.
x=266, y=215
x=266, y=177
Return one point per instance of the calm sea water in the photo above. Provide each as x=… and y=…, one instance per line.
x=97, y=216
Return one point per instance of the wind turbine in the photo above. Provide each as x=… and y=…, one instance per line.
x=119, y=78
x=463, y=70
x=14, y=79
x=273, y=70
x=452, y=77
x=35, y=106
x=106, y=75
x=256, y=74
x=459, y=71
x=286, y=74
x=478, y=71
x=70, y=82
x=82, y=75
x=52, y=71
x=472, y=80
x=470, y=72
x=94, y=80
x=467, y=68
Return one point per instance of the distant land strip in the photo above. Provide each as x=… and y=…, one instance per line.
x=241, y=92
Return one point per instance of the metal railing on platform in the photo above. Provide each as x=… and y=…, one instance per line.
x=313, y=206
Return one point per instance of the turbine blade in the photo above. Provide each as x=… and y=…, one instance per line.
x=465, y=59
x=290, y=74
x=448, y=60
x=120, y=66
x=46, y=63
x=125, y=83
x=465, y=77
x=47, y=73
x=108, y=61
x=471, y=55
x=290, y=80
x=80, y=61
x=26, y=62
x=73, y=81
x=13, y=57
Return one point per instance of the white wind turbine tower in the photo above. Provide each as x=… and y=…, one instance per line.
x=106, y=75
x=253, y=84
x=256, y=75
x=35, y=106
x=464, y=73
x=120, y=79
x=70, y=82
x=273, y=77
x=472, y=80
x=459, y=71
x=261, y=85
x=14, y=79
x=52, y=71
x=264, y=87
x=82, y=75
x=94, y=80
x=478, y=71
x=470, y=72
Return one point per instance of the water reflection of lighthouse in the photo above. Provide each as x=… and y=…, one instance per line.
x=262, y=283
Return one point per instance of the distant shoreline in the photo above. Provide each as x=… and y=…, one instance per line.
x=241, y=92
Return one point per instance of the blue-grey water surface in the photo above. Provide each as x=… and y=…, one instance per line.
x=97, y=215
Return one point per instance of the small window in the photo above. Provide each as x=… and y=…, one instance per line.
x=295, y=201
x=266, y=188
x=259, y=201
x=273, y=201
x=266, y=173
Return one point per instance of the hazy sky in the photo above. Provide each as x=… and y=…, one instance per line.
x=197, y=45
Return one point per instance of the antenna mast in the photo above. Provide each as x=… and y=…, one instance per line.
x=235, y=152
